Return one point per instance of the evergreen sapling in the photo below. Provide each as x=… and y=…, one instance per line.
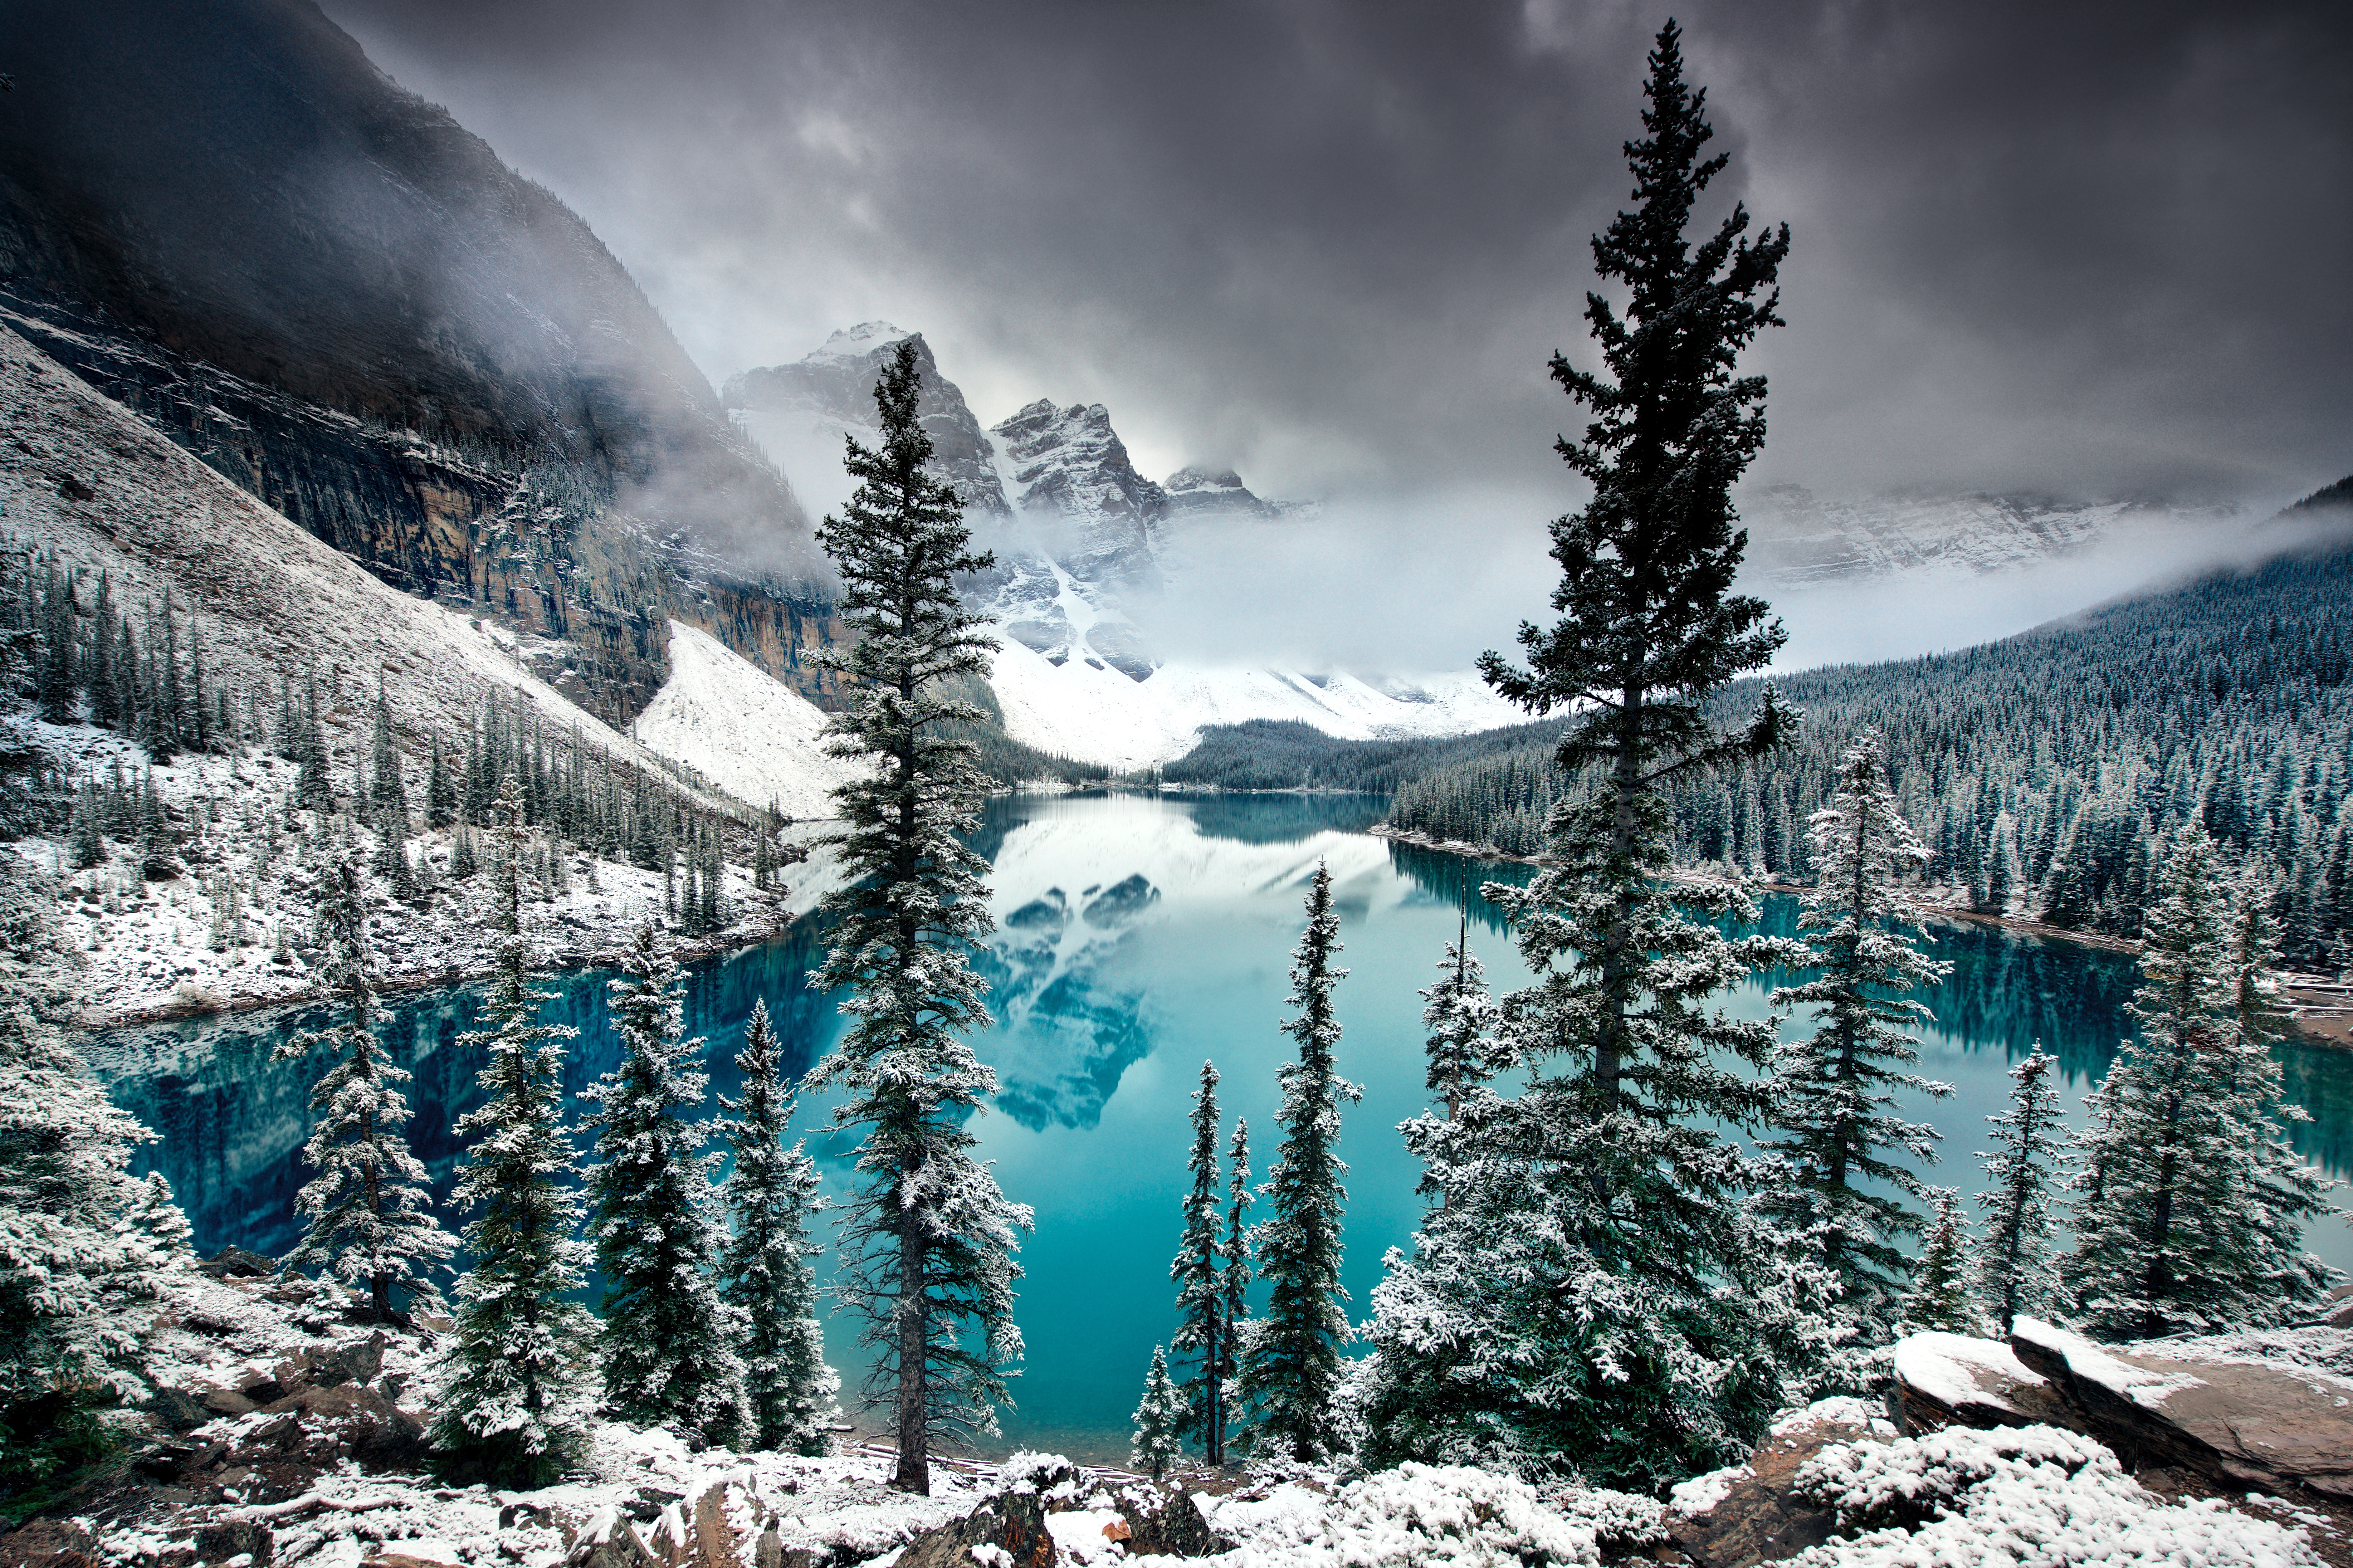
x=514, y=1369
x=1289, y=1359
x=2014, y=1271
x=1940, y=1299
x=770, y=1195
x=1201, y=1330
x=668, y=1341
x=370, y=1220
x=1161, y=1417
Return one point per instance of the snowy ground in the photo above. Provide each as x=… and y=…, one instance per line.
x=210, y=939
x=1095, y=713
x=739, y=728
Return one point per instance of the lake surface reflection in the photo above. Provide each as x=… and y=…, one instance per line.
x=1136, y=936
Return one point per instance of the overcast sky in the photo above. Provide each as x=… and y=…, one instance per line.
x=2083, y=249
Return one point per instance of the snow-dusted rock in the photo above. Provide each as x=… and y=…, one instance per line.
x=1945, y=1380
x=2240, y=1423
x=1752, y=1513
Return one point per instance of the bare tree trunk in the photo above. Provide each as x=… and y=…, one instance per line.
x=914, y=1473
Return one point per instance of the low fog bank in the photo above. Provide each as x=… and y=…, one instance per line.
x=1946, y=608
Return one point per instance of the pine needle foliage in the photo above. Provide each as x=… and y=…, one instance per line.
x=1240, y=1267
x=1631, y=1321
x=1200, y=1305
x=770, y=1195
x=1290, y=1357
x=2014, y=1266
x=1157, y=1443
x=82, y=1241
x=513, y=1369
x=927, y=1239
x=1846, y=1151
x=369, y=1208
x=667, y=1342
x=2192, y=1205
x=1940, y=1299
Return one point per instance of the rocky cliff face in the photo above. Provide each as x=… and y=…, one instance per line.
x=342, y=300
x=1197, y=491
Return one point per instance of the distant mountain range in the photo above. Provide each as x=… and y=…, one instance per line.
x=1082, y=541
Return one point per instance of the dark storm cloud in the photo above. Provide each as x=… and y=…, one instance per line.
x=2091, y=249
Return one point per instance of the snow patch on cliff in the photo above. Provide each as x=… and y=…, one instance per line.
x=741, y=728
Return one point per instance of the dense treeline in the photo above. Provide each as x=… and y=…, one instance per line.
x=1285, y=754
x=2043, y=769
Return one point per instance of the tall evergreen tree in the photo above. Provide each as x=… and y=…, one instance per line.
x=1235, y=1257
x=2014, y=1271
x=1634, y=1325
x=1844, y=1145
x=2192, y=1205
x=1158, y=1441
x=1201, y=1328
x=668, y=1341
x=370, y=1213
x=770, y=1193
x=927, y=1239
x=513, y=1372
x=1290, y=1358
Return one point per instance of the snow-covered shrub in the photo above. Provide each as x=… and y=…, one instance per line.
x=2025, y=1495
x=1423, y=1515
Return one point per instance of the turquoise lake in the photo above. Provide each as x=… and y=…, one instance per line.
x=1136, y=937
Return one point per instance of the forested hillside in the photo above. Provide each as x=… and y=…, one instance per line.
x=2043, y=769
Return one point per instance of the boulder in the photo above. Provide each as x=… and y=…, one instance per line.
x=770, y=1552
x=1173, y=1528
x=1952, y=1380
x=325, y=1366
x=1006, y=1532
x=235, y=1538
x=345, y=1421
x=177, y=1410
x=609, y=1541
x=2237, y=1424
x=237, y=1263
x=1753, y=1514
x=51, y=1544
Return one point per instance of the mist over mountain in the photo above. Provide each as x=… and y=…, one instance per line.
x=348, y=304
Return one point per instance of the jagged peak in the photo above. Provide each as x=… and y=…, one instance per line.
x=858, y=342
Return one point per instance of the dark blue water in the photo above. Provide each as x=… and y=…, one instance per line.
x=1136, y=937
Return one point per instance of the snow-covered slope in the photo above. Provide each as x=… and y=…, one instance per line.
x=1797, y=538
x=270, y=602
x=741, y=728
x=1082, y=540
x=1086, y=709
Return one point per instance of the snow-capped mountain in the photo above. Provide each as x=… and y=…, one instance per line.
x=1082, y=540
x=1797, y=538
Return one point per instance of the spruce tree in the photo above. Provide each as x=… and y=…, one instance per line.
x=1201, y=1330
x=1289, y=1359
x=369, y=1213
x=667, y=1342
x=513, y=1369
x=1161, y=1417
x=1844, y=1148
x=927, y=1238
x=1940, y=1300
x=2192, y=1204
x=770, y=1195
x=81, y=1239
x=1635, y=1325
x=2014, y=1271
x=1234, y=1256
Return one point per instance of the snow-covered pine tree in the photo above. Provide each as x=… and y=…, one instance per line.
x=1161, y=1417
x=1290, y=1358
x=1201, y=1329
x=1628, y=1322
x=2014, y=1272
x=370, y=1220
x=927, y=1245
x=1459, y=1017
x=1850, y=1157
x=770, y=1195
x=81, y=1240
x=1940, y=1298
x=2195, y=1217
x=514, y=1369
x=1234, y=1256
x=667, y=1342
